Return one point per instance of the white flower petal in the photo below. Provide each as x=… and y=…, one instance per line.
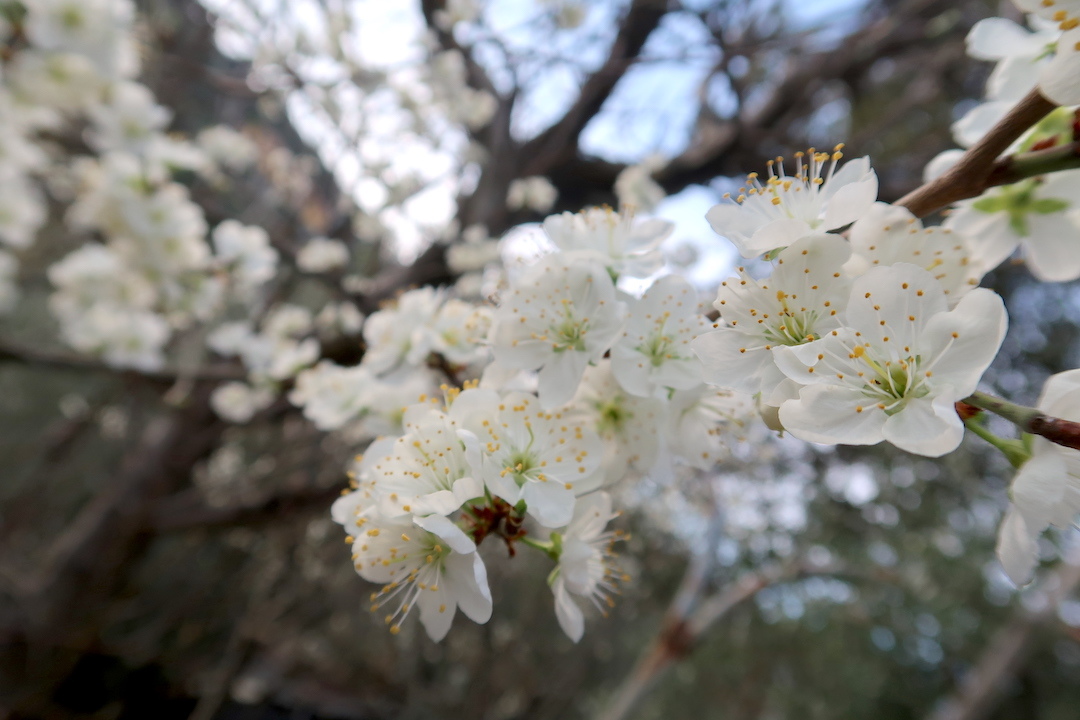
x=1017, y=548
x=571, y=620
x=1059, y=80
x=996, y=38
x=467, y=579
x=551, y=503
x=926, y=426
x=445, y=528
x=961, y=343
x=1053, y=252
x=829, y=414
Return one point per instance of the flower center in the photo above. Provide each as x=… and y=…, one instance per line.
x=569, y=334
x=1017, y=201
x=791, y=327
x=893, y=381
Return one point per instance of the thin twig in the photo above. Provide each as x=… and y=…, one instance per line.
x=969, y=176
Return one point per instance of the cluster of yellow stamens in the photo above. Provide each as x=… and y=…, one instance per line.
x=812, y=169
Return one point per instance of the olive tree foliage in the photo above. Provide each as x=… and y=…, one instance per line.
x=168, y=546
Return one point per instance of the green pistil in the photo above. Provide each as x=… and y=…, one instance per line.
x=793, y=329
x=657, y=349
x=570, y=334
x=1017, y=201
x=612, y=416
x=895, y=382
x=71, y=18
x=518, y=465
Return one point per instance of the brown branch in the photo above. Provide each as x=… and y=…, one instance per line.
x=680, y=633
x=969, y=176
x=64, y=361
x=558, y=143
x=60, y=613
x=731, y=147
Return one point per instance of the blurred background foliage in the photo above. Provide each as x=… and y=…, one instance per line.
x=157, y=563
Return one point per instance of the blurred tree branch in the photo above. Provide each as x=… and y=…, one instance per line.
x=11, y=352
x=989, y=677
x=689, y=618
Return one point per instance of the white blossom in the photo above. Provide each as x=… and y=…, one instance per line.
x=62, y=80
x=238, y=402
x=543, y=458
x=653, y=353
x=613, y=239
x=635, y=187
x=1059, y=79
x=1041, y=215
x=586, y=564
x=799, y=303
x=426, y=563
x=9, y=291
x=426, y=471
x=1046, y=490
x=767, y=216
x=888, y=234
x=228, y=148
x=459, y=332
x=128, y=121
x=332, y=395
x=626, y=423
x=560, y=316
x=247, y=252
x=123, y=337
x=98, y=30
x=288, y=357
x=95, y=274
x=401, y=334
x=531, y=193
x=705, y=423
x=22, y=210
x=897, y=366
x=319, y=255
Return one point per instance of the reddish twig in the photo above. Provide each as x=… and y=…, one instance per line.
x=1030, y=420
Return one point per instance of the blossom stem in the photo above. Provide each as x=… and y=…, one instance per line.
x=548, y=548
x=1022, y=166
x=971, y=175
x=1030, y=420
x=1013, y=450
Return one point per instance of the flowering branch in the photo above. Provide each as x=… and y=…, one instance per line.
x=1030, y=420
x=971, y=174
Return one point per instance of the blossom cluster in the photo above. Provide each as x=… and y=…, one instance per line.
x=519, y=417
x=149, y=270
x=576, y=386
